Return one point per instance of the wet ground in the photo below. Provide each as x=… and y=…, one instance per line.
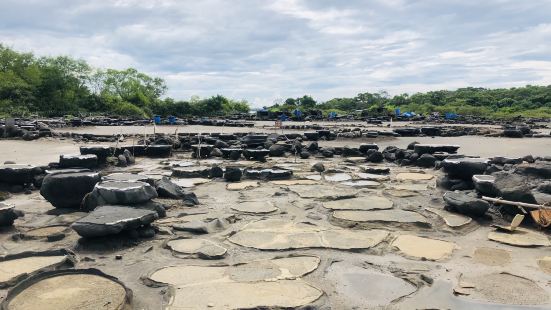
x=318, y=240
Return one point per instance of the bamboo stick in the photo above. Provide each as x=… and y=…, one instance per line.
x=515, y=203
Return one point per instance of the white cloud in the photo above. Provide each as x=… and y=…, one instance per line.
x=264, y=50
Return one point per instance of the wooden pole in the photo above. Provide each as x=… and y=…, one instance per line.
x=515, y=203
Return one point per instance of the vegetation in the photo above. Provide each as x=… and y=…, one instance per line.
x=528, y=101
x=57, y=86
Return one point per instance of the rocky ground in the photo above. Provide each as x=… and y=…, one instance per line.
x=359, y=228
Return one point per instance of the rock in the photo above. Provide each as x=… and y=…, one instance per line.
x=8, y=215
x=520, y=237
x=312, y=136
x=203, y=248
x=167, y=189
x=513, y=187
x=453, y=184
x=158, y=150
x=513, y=133
x=130, y=160
x=101, y=151
x=544, y=187
x=216, y=152
x=424, y=248
x=431, y=131
x=67, y=190
x=328, y=152
x=538, y=169
x=529, y=159
x=434, y=148
x=375, y=169
x=78, y=161
x=17, y=174
x=452, y=219
x=500, y=160
x=348, y=151
x=364, y=147
x=304, y=155
x=313, y=147
x=465, y=167
x=484, y=184
x=268, y=174
x=277, y=150
x=318, y=167
x=119, y=193
x=407, y=132
x=111, y=220
x=233, y=174
x=216, y=172
x=465, y=204
x=191, y=172
x=412, y=145
x=258, y=155
x=426, y=160
x=375, y=157
x=121, y=161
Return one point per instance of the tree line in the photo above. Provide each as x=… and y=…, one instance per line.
x=58, y=86
x=527, y=101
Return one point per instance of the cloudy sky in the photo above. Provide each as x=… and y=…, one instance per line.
x=262, y=50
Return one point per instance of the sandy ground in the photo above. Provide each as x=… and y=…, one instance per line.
x=40, y=152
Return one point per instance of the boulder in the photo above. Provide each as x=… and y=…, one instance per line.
x=464, y=167
x=191, y=172
x=121, y=161
x=89, y=161
x=484, y=184
x=348, y=151
x=364, y=147
x=101, y=151
x=67, y=189
x=544, y=187
x=431, y=131
x=513, y=133
x=465, y=204
x=216, y=152
x=500, y=160
x=168, y=189
x=304, y=155
x=434, y=148
x=447, y=182
x=253, y=154
x=318, y=167
x=425, y=160
x=537, y=169
x=130, y=160
x=8, y=215
x=514, y=187
x=158, y=150
x=376, y=157
x=268, y=174
x=17, y=174
x=407, y=132
x=112, y=220
x=119, y=193
x=313, y=147
x=277, y=150
x=312, y=136
x=233, y=174
x=216, y=172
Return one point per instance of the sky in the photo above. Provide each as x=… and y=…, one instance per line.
x=265, y=51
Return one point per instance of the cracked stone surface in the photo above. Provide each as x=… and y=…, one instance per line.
x=272, y=283
x=256, y=207
x=282, y=235
x=360, y=203
x=520, y=237
x=423, y=248
x=383, y=216
x=451, y=219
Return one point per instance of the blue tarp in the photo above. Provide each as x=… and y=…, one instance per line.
x=397, y=112
x=409, y=114
x=297, y=113
x=450, y=115
x=157, y=119
x=332, y=114
x=283, y=117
